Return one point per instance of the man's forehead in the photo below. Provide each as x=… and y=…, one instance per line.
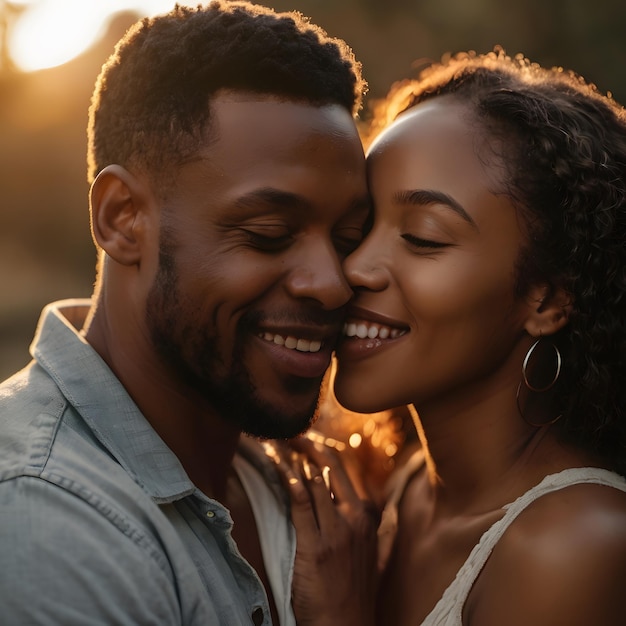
x=245, y=109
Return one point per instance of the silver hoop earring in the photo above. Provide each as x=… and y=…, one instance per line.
x=525, y=365
x=538, y=389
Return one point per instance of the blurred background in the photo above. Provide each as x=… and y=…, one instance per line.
x=51, y=52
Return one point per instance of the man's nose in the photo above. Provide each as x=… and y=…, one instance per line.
x=319, y=276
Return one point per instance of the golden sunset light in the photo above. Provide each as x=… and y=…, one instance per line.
x=48, y=33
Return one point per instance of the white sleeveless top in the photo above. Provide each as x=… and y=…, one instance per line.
x=449, y=610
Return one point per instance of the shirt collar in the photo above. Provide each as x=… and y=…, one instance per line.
x=106, y=408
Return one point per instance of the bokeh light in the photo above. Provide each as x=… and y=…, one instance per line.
x=48, y=33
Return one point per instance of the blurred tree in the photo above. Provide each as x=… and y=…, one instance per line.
x=392, y=37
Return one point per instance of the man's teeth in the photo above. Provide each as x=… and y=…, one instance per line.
x=368, y=330
x=293, y=343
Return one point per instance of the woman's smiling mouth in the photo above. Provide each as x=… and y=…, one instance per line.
x=371, y=330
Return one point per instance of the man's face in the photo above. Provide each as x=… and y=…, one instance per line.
x=249, y=296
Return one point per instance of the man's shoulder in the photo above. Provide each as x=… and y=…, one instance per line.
x=63, y=496
x=25, y=398
x=43, y=438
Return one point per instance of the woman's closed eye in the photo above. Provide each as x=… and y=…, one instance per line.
x=419, y=242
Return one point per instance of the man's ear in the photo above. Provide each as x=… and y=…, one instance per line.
x=117, y=203
x=549, y=312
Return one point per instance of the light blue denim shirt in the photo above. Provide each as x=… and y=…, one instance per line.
x=99, y=523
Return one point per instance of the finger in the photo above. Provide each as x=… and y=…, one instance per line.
x=330, y=489
x=315, y=477
x=363, y=515
x=344, y=486
x=295, y=482
x=318, y=485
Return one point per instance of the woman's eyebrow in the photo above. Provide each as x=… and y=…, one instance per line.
x=424, y=197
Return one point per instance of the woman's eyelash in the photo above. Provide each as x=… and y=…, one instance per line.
x=423, y=243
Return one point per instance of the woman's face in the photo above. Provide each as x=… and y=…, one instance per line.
x=435, y=313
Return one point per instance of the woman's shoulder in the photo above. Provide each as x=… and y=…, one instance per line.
x=562, y=560
x=589, y=513
x=578, y=503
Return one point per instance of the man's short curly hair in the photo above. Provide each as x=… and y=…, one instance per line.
x=151, y=103
x=563, y=147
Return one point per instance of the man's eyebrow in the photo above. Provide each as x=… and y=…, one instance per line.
x=429, y=196
x=276, y=198
x=280, y=199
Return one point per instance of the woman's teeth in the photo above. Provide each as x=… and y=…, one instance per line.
x=362, y=330
x=293, y=343
x=367, y=330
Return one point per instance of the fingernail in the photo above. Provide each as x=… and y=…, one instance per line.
x=326, y=476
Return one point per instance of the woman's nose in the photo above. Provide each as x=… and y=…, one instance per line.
x=365, y=268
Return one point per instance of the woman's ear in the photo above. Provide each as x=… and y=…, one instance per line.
x=549, y=312
x=118, y=202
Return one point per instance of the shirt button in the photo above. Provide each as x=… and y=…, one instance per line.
x=210, y=514
x=257, y=616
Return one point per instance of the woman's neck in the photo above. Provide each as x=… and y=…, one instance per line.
x=483, y=455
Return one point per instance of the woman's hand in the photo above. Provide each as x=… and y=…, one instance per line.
x=335, y=570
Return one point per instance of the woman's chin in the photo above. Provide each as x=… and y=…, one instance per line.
x=353, y=398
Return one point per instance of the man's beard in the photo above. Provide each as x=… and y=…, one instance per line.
x=189, y=350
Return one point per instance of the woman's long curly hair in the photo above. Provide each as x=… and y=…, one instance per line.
x=563, y=147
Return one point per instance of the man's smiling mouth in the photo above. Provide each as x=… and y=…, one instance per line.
x=292, y=343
